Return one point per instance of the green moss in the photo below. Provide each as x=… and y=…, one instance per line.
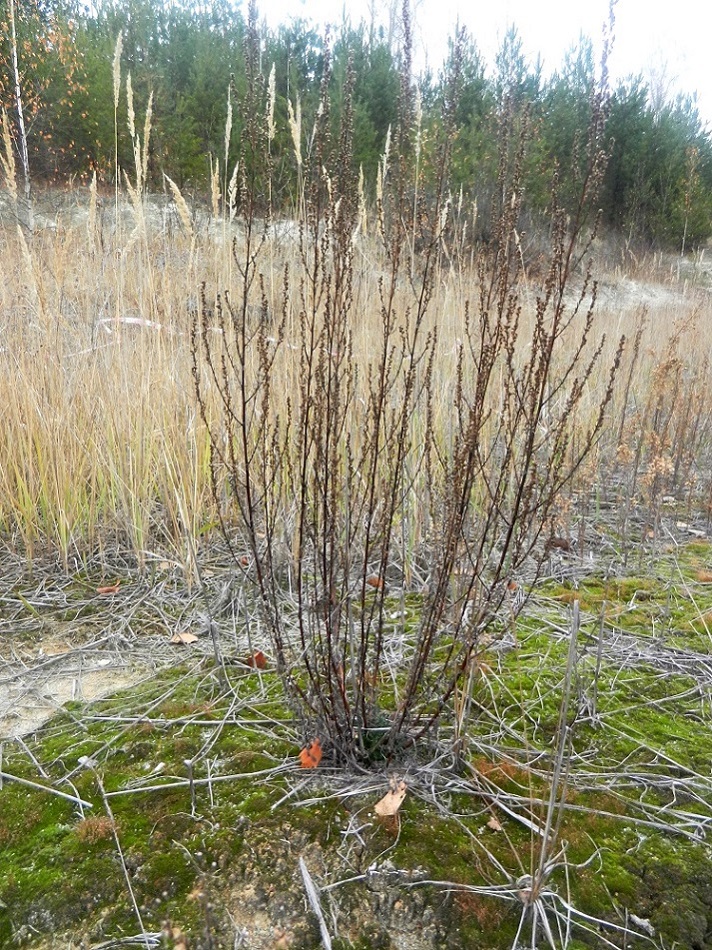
x=675, y=890
x=231, y=838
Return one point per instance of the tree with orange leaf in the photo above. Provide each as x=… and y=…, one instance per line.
x=39, y=74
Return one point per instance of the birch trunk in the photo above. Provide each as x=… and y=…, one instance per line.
x=24, y=154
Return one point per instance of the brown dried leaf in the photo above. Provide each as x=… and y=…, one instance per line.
x=391, y=801
x=494, y=824
x=184, y=637
x=110, y=589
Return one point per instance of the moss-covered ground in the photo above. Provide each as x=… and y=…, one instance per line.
x=188, y=812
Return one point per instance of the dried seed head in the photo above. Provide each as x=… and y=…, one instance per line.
x=183, y=212
x=228, y=124
x=130, y=106
x=117, y=68
x=271, y=97
x=295, y=127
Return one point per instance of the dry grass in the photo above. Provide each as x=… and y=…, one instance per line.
x=99, y=435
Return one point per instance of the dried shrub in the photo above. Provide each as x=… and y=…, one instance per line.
x=352, y=473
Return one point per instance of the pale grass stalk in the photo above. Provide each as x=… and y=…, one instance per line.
x=92, y=220
x=228, y=128
x=271, y=128
x=146, y=139
x=294, y=118
x=130, y=107
x=362, y=226
x=381, y=177
x=226, y=158
x=232, y=192
x=215, y=187
x=117, y=89
x=182, y=206
x=418, y=108
x=140, y=224
x=134, y=191
x=295, y=129
x=117, y=69
x=138, y=164
x=271, y=99
x=139, y=236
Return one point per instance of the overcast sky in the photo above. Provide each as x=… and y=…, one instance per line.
x=670, y=38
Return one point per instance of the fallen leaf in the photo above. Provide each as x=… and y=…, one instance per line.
x=373, y=580
x=391, y=801
x=257, y=660
x=561, y=544
x=494, y=824
x=184, y=637
x=705, y=577
x=310, y=756
x=111, y=589
x=244, y=561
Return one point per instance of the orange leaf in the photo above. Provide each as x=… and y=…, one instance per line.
x=257, y=661
x=391, y=801
x=244, y=561
x=310, y=756
x=373, y=580
x=705, y=577
x=111, y=589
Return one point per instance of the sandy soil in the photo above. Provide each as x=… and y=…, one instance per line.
x=31, y=693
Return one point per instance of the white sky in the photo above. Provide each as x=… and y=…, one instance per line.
x=670, y=38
